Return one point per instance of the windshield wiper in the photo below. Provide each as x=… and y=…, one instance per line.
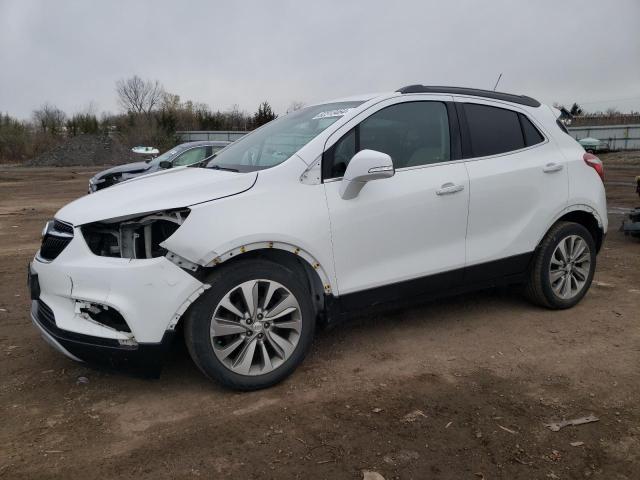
x=226, y=169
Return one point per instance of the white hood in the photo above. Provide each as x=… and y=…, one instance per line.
x=168, y=189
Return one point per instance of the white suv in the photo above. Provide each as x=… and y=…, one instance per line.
x=329, y=210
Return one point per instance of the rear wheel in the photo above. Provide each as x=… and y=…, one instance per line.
x=253, y=327
x=563, y=267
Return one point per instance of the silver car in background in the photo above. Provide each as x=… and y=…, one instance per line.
x=182, y=155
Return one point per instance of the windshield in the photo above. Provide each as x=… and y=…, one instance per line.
x=279, y=139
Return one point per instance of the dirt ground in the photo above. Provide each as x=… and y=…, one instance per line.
x=455, y=389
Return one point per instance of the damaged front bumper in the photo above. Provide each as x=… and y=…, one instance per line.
x=145, y=358
x=114, y=311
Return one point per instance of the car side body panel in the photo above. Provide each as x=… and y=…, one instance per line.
x=513, y=197
x=279, y=211
x=586, y=190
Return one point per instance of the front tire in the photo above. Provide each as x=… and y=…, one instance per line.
x=253, y=327
x=563, y=267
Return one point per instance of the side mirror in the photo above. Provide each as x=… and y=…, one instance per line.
x=165, y=164
x=366, y=165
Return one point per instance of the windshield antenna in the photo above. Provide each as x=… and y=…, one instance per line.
x=497, y=82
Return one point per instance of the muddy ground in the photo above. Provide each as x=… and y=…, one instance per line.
x=459, y=388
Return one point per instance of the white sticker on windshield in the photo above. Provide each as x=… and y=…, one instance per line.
x=332, y=113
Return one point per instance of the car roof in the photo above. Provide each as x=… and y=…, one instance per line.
x=475, y=92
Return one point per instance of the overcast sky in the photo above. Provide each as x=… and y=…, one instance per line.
x=70, y=53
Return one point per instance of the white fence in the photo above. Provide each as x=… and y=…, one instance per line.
x=196, y=135
x=619, y=137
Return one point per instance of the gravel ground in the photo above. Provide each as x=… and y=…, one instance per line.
x=460, y=388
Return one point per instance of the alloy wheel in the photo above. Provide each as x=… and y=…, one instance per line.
x=569, y=267
x=255, y=327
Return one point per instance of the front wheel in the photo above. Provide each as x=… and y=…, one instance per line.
x=563, y=266
x=253, y=327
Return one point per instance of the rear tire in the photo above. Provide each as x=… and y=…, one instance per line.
x=563, y=267
x=253, y=327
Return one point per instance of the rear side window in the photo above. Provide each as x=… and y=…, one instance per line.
x=531, y=134
x=493, y=130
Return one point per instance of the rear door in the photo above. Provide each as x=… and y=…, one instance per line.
x=518, y=183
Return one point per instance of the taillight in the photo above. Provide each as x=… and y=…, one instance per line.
x=595, y=163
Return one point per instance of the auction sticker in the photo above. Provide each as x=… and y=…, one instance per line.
x=332, y=113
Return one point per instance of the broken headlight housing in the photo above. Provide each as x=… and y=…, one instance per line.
x=133, y=237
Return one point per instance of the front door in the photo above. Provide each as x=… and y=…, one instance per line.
x=403, y=235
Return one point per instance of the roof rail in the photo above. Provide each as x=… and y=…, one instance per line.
x=476, y=92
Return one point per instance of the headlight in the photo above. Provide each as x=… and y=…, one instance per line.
x=45, y=229
x=134, y=237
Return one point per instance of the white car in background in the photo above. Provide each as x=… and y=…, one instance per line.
x=332, y=209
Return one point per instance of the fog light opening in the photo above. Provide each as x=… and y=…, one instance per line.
x=104, y=315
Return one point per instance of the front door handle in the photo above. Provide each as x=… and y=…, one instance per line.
x=449, y=188
x=552, y=167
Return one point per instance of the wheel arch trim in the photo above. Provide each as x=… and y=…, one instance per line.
x=310, y=259
x=579, y=207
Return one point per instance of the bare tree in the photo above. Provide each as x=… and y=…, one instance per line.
x=49, y=118
x=170, y=101
x=139, y=96
x=295, y=105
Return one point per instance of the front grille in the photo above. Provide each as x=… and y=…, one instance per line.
x=53, y=246
x=57, y=236
x=45, y=314
x=62, y=227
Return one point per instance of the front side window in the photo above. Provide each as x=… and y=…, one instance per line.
x=191, y=156
x=411, y=133
x=279, y=139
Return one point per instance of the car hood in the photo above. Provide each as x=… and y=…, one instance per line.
x=163, y=190
x=135, y=167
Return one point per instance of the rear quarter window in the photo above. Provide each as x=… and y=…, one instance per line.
x=531, y=134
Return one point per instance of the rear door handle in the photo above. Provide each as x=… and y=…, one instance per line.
x=449, y=188
x=552, y=167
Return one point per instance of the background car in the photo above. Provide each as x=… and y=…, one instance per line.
x=182, y=155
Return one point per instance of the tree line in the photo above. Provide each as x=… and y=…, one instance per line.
x=149, y=115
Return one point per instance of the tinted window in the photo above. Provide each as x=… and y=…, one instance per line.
x=531, y=134
x=413, y=134
x=493, y=130
x=342, y=153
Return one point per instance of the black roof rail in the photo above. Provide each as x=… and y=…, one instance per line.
x=507, y=97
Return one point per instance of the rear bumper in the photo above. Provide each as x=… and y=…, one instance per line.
x=145, y=358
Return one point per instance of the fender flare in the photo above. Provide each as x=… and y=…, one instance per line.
x=287, y=247
x=578, y=207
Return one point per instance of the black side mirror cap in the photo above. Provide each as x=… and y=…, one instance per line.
x=165, y=164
